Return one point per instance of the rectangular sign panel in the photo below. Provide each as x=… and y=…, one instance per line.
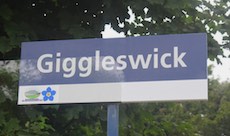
x=132, y=69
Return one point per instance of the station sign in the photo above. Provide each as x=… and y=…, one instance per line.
x=132, y=69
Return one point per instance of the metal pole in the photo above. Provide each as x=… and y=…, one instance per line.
x=112, y=120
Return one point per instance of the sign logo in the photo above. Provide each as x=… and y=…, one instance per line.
x=39, y=95
x=48, y=94
x=32, y=94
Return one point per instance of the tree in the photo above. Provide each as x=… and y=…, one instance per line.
x=26, y=20
x=57, y=19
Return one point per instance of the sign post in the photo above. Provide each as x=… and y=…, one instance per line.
x=113, y=120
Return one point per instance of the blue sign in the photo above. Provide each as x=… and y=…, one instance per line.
x=114, y=61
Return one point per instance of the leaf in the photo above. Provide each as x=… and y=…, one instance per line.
x=4, y=45
x=2, y=118
x=11, y=126
x=6, y=12
x=32, y=113
x=73, y=112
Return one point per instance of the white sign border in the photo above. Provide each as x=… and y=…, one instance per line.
x=172, y=90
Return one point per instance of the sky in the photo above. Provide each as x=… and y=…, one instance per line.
x=220, y=71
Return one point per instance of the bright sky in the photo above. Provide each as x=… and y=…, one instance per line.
x=222, y=72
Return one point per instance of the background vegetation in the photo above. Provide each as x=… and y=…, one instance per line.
x=30, y=20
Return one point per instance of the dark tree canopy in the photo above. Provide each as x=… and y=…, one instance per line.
x=28, y=20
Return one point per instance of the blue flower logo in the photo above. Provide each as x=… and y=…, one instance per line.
x=48, y=94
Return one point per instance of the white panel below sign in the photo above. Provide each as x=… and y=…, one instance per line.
x=174, y=90
x=165, y=90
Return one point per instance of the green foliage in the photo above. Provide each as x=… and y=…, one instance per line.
x=10, y=127
x=185, y=16
x=209, y=118
x=37, y=126
x=26, y=20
